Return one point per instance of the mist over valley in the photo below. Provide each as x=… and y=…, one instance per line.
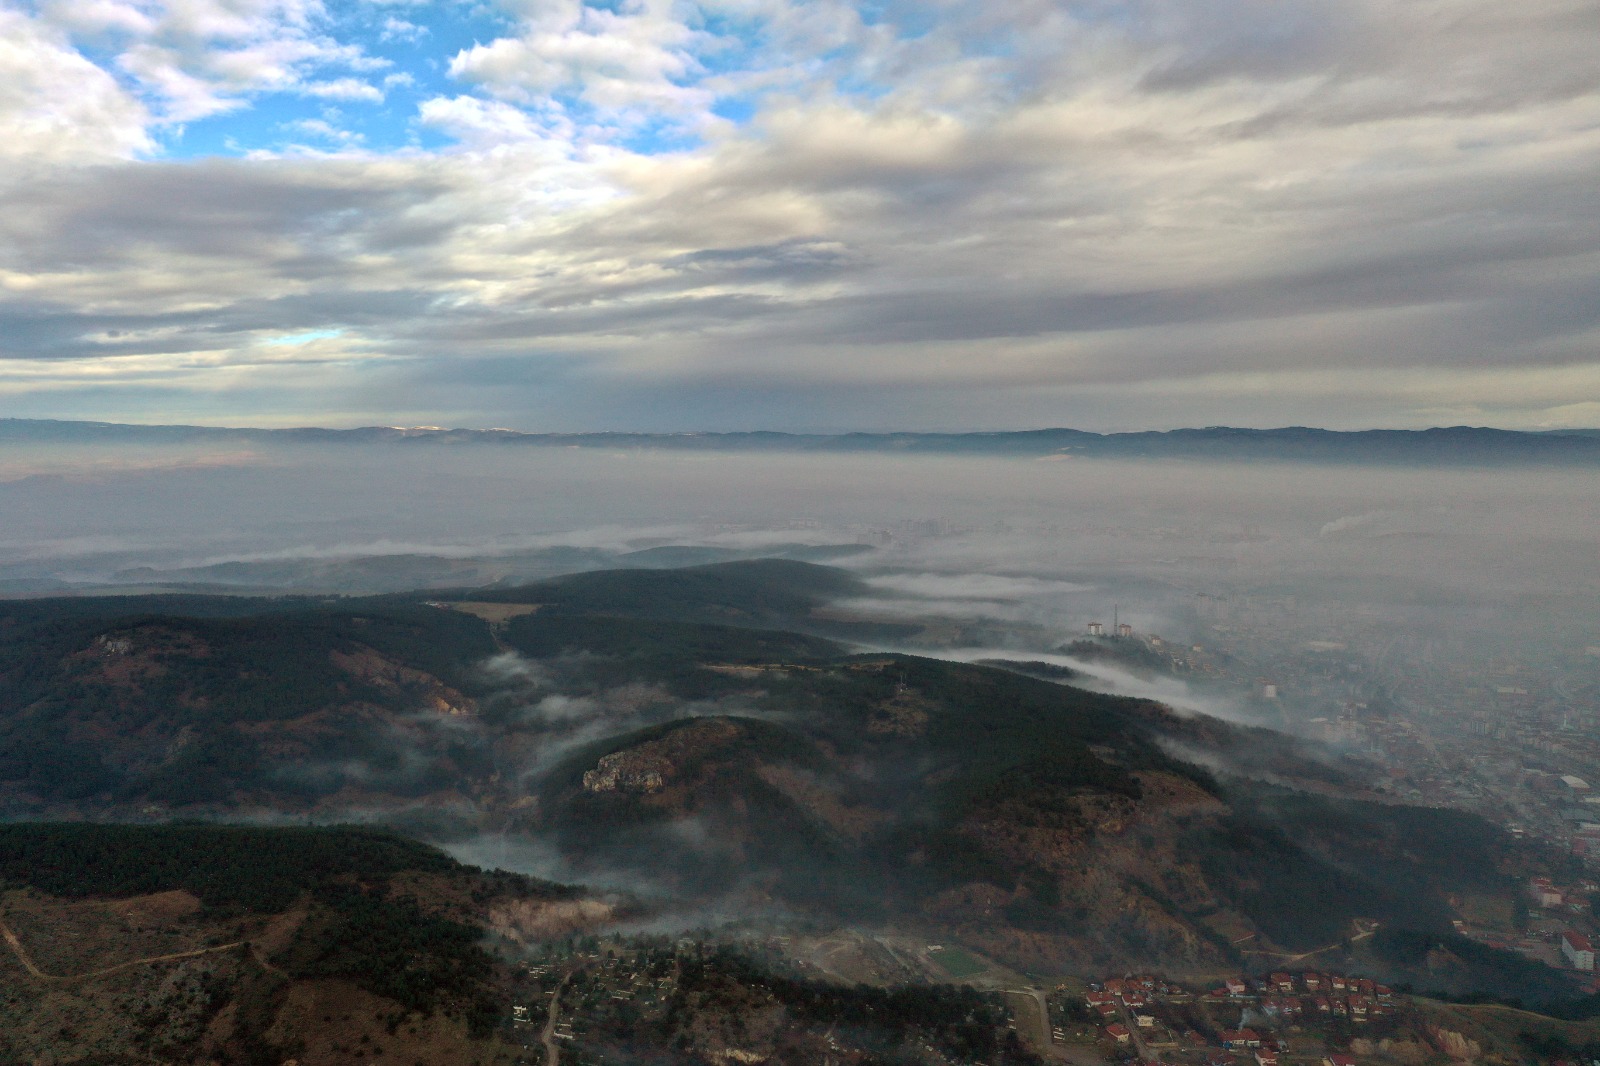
x=883, y=698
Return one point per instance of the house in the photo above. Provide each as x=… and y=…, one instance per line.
x=1283, y=982
x=1266, y=1058
x=1236, y=986
x=1323, y=1005
x=1332, y=1059
x=1239, y=1039
x=1543, y=893
x=1314, y=982
x=1118, y=1032
x=1145, y=1021
x=1577, y=950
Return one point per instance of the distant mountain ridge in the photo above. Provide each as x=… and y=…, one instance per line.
x=1454, y=444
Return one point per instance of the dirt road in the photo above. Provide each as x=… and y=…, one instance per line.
x=28, y=964
x=552, y=1050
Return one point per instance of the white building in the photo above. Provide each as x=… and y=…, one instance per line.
x=1577, y=950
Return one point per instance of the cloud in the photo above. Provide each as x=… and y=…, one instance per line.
x=975, y=586
x=56, y=106
x=398, y=29
x=199, y=58
x=637, y=58
x=347, y=89
x=1343, y=213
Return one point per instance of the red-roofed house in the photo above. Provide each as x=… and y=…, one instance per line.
x=1118, y=1032
x=1338, y=1060
x=1577, y=950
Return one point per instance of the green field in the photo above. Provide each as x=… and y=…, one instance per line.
x=958, y=963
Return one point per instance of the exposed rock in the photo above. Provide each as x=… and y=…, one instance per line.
x=648, y=767
x=627, y=771
x=523, y=921
x=1454, y=1044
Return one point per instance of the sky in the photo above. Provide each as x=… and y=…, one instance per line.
x=742, y=214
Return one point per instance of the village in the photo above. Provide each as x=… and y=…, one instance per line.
x=594, y=1001
x=1305, y=1018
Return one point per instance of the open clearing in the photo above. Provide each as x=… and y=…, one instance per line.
x=495, y=613
x=958, y=963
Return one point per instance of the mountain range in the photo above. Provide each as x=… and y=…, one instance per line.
x=1441, y=445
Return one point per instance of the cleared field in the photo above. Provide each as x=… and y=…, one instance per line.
x=958, y=963
x=495, y=613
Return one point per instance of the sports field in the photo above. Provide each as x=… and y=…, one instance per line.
x=958, y=964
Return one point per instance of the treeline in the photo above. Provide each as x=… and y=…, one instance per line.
x=62, y=685
x=967, y=1024
x=1452, y=966
x=671, y=654
x=755, y=589
x=1301, y=866
x=393, y=948
x=256, y=869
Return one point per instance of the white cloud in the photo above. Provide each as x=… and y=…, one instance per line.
x=628, y=63
x=324, y=130
x=349, y=89
x=55, y=105
x=398, y=29
x=190, y=59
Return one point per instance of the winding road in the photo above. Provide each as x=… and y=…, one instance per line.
x=28, y=964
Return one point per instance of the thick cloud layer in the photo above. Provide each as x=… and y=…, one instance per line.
x=749, y=213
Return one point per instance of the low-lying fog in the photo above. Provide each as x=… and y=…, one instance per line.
x=1196, y=552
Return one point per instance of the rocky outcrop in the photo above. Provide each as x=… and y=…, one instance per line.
x=627, y=771
x=648, y=767
x=524, y=921
x=1454, y=1044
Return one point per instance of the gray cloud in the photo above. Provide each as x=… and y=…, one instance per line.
x=1058, y=213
